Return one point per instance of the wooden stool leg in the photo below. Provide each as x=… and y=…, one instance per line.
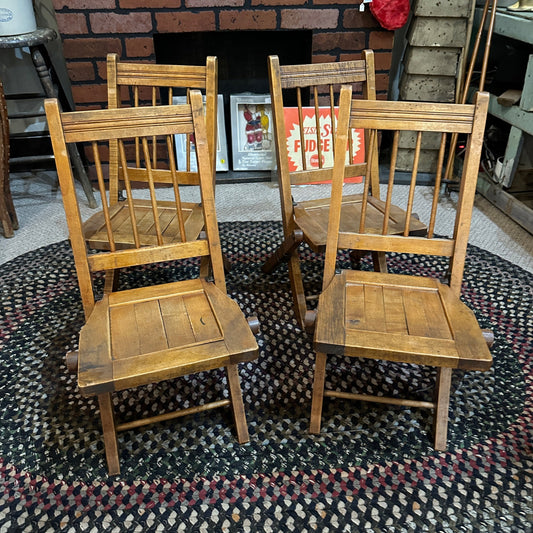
x=5, y=219
x=318, y=392
x=237, y=403
x=442, y=390
x=110, y=434
x=8, y=199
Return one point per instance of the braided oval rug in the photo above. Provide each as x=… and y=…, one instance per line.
x=371, y=468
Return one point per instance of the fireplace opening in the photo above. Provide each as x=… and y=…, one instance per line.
x=242, y=68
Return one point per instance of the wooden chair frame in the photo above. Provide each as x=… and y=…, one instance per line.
x=145, y=335
x=307, y=221
x=395, y=317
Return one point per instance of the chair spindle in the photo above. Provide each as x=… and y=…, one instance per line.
x=371, y=145
x=392, y=171
x=332, y=114
x=177, y=196
x=154, y=139
x=151, y=187
x=137, y=149
x=127, y=184
x=436, y=192
x=103, y=195
x=301, y=124
x=317, y=127
x=416, y=161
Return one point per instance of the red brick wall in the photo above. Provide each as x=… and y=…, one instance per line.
x=92, y=28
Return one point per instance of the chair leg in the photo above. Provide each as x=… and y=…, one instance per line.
x=111, y=281
x=442, y=399
x=356, y=257
x=237, y=403
x=380, y=261
x=285, y=249
x=318, y=393
x=297, y=287
x=110, y=434
x=205, y=266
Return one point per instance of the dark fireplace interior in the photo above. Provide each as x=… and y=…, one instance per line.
x=242, y=66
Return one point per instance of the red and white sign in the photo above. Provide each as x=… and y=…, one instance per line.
x=292, y=131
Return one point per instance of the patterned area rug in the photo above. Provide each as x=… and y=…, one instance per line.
x=371, y=468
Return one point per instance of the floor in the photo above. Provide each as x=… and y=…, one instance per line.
x=39, y=209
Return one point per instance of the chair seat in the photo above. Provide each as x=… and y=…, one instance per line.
x=399, y=318
x=95, y=233
x=312, y=218
x=140, y=336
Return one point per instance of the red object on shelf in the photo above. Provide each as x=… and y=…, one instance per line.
x=391, y=14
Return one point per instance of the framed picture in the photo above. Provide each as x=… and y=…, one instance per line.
x=222, y=146
x=252, y=138
x=294, y=148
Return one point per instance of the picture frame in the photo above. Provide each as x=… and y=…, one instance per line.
x=252, y=135
x=180, y=141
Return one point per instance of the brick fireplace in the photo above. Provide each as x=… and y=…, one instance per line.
x=92, y=28
x=156, y=31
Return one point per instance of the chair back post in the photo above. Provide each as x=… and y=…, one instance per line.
x=113, y=102
x=341, y=139
x=467, y=190
x=70, y=204
x=282, y=158
x=207, y=189
x=369, y=93
x=211, y=92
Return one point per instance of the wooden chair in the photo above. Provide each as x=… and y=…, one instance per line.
x=392, y=317
x=137, y=84
x=8, y=215
x=146, y=335
x=307, y=220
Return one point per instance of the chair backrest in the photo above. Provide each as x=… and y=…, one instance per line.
x=467, y=120
x=137, y=84
x=98, y=128
x=292, y=86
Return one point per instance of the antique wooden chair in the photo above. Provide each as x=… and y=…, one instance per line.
x=393, y=317
x=8, y=216
x=146, y=335
x=307, y=220
x=137, y=84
